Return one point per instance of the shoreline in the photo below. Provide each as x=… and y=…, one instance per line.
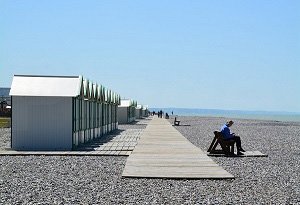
x=240, y=114
x=266, y=118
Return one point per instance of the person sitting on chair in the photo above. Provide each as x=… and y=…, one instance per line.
x=231, y=136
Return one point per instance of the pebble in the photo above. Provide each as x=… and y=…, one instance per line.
x=98, y=179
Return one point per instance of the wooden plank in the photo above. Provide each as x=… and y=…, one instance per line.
x=177, y=172
x=245, y=154
x=123, y=153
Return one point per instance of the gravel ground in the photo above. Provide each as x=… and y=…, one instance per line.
x=4, y=138
x=97, y=180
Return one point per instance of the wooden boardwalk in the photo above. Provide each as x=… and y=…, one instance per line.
x=162, y=152
x=114, y=144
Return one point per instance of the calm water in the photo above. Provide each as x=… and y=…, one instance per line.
x=260, y=115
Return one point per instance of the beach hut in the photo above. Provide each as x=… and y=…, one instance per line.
x=126, y=111
x=59, y=112
x=145, y=111
x=139, y=111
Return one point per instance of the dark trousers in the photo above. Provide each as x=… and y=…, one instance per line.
x=237, y=140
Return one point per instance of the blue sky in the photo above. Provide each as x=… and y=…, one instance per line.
x=195, y=54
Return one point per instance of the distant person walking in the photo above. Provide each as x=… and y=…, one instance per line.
x=231, y=136
x=160, y=114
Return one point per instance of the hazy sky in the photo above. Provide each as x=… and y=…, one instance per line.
x=241, y=54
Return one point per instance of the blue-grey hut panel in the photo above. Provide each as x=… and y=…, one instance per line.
x=123, y=115
x=41, y=123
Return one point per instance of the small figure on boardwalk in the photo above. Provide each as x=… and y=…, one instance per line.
x=167, y=116
x=231, y=136
x=160, y=114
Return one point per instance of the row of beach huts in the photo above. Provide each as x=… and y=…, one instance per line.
x=63, y=112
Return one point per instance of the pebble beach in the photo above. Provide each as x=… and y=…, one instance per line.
x=97, y=179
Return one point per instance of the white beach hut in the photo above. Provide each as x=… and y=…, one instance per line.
x=145, y=111
x=126, y=111
x=59, y=112
x=139, y=111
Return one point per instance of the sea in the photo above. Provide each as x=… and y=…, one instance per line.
x=240, y=114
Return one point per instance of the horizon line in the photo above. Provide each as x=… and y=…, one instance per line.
x=220, y=109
